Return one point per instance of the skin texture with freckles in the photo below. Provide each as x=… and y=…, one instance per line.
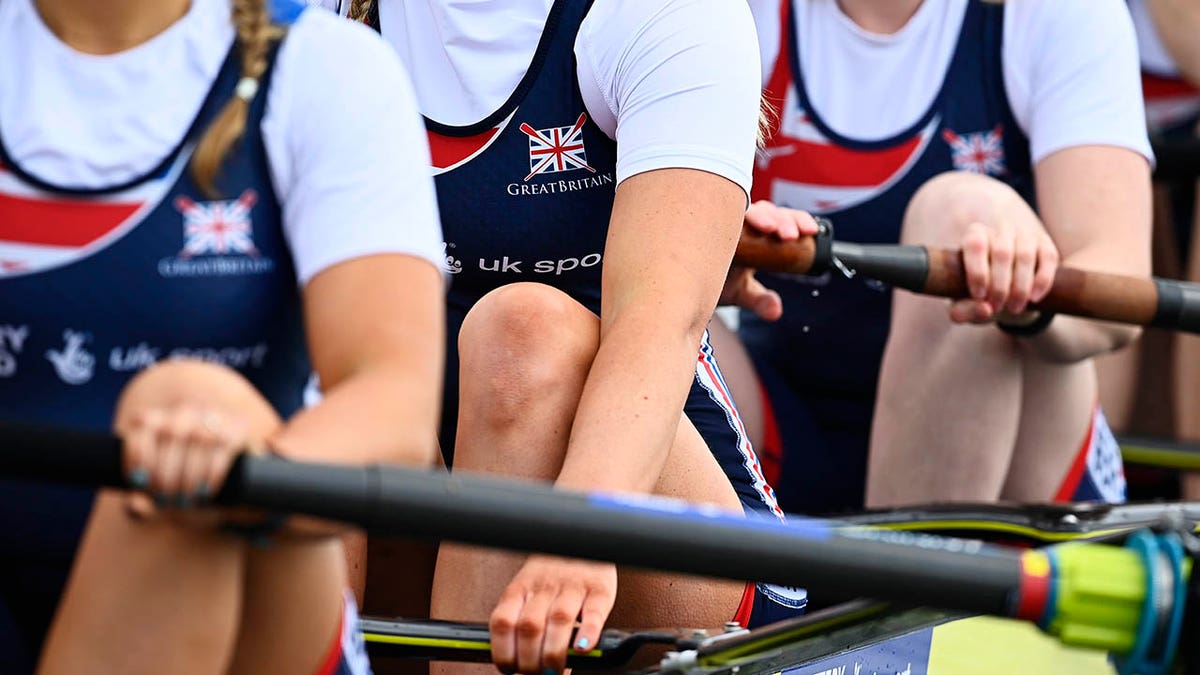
x=596, y=393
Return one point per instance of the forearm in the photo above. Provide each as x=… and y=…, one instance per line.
x=1071, y=339
x=632, y=405
x=386, y=413
x=1178, y=25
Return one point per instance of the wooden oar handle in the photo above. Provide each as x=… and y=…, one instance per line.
x=1089, y=294
x=766, y=252
x=1144, y=301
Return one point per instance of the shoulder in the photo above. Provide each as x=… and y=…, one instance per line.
x=333, y=51
x=615, y=23
x=1082, y=18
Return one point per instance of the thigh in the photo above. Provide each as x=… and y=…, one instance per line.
x=658, y=599
x=293, y=609
x=1058, y=406
x=146, y=596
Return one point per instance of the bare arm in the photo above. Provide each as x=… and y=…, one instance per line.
x=375, y=330
x=1178, y=25
x=670, y=242
x=1095, y=203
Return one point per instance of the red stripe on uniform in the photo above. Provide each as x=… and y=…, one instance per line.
x=1075, y=475
x=745, y=607
x=832, y=165
x=59, y=222
x=755, y=467
x=770, y=454
x=1155, y=87
x=329, y=665
x=447, y=151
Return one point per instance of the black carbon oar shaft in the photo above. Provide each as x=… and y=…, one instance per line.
x=897, y=566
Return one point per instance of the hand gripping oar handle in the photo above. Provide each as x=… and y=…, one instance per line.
x=1088, y=594
x=933, y=271
x=806, y=255
x=471, y=642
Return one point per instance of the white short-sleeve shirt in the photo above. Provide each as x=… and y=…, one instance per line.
x=347, y=152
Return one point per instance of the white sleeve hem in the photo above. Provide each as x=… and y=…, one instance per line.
x=314, y=265
x=684, y=157
x=1067, y=143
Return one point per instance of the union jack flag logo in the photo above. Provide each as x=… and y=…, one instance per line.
x=556, y=149
x=981, y=152
x=219, y=227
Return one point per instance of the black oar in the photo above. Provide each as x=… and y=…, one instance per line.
x=1145, y=301
x=1113, y=598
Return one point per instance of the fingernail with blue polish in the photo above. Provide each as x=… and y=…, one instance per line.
x=139, y=477
x=183, y=501
x=162, y=501
x=582, y=644
x=549, y=671
x=202, y=492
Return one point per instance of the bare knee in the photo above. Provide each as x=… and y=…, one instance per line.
x=188, y=381
x=521, y=344
x=942, y=209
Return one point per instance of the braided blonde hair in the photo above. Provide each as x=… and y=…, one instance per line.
x=360, y=10
x=255, y=34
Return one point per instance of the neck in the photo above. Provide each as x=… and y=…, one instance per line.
x=880, y=16
x=110, y=26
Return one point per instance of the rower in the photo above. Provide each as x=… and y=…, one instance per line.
x=959, y=114
x=1171, y=79
x=189, y=202
x=593, y=165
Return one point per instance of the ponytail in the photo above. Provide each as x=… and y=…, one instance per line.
x=360, y=10
x=255, y=33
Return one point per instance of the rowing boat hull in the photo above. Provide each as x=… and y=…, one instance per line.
x=922, y=643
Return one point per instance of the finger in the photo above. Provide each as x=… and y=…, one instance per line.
x=596, y=608
x=139, y=506
x=769, y=305
x=140, y=447
x=804, y=223
x=971, y=311
x=171, y=445
x=531, y=630
x=1047, y=269
x=760, y=299
x=1001, y=255
x=764, y=217
x=216, y=469
x=197, y=462
x=975, y=260
x=560, y=622
x=1024, y=265
x=503, y=628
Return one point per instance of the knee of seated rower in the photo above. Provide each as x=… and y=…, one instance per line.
x=940, y=212
x=921, y=325
x=193, y=382
x=521, y=343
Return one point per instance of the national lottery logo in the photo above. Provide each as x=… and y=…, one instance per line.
x=218, y=239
